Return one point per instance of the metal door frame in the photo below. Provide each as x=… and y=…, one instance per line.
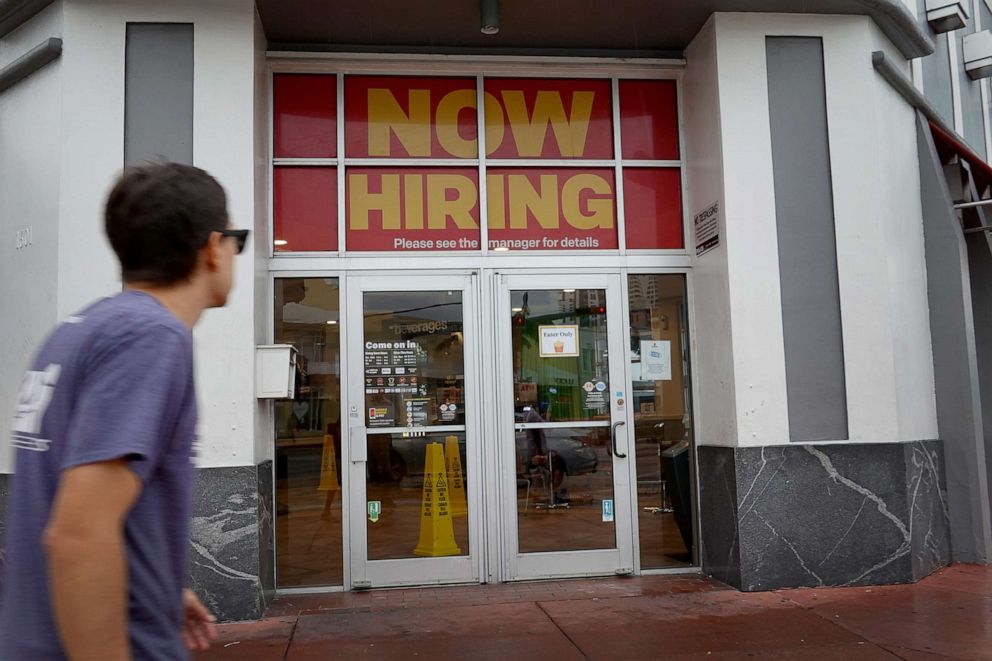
x=516, y=566
x=410, y=571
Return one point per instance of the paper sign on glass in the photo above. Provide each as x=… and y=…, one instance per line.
x=656, y=360
x=559, y=341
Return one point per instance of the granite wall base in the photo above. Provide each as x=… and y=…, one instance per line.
x=231, y=538
x=823, y=515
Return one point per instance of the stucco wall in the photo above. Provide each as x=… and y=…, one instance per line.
x=91, y=147
x=30, y=149
x=878, y=228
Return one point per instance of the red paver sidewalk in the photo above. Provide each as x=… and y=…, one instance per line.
x=946, y=616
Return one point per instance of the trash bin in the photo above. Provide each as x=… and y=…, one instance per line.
x=675, y=463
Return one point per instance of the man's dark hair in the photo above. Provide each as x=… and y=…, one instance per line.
x=157, y=218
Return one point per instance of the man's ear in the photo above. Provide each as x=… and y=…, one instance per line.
x=212, y=252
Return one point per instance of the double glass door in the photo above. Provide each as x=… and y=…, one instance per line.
x=489, y=440
x=562, y=426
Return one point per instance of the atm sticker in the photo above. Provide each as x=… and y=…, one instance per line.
x=607, y=511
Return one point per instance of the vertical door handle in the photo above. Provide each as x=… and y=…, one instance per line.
x=357, y=448
x=613, y=440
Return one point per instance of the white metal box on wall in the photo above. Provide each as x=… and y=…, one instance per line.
x=275, y=371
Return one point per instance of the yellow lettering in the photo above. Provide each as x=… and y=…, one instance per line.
x=524, y=199
x=459, y=208
x=386, y=117
x=497, y=206
x=529, y=131
x=362, y=203
x=495, y=124
x=599, y=209
x=448, y=111
x=413, y=194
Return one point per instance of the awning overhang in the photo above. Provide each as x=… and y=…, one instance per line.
x=627, y=28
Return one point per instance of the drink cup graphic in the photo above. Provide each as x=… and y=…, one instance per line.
x=559, y=346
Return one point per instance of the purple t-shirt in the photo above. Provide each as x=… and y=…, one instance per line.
x=114, y=381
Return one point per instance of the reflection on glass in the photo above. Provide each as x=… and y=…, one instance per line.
x=564, y=477
x=658, y=341
x=414, y=364
x=560, y=375
x=308, y=437
x=415, y=378
x=400, y=521
x=560, y=354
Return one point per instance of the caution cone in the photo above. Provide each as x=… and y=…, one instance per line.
x=437, y=535
x=329, y=467
x=456, y=481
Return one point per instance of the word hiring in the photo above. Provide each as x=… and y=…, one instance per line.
x=437, y=201
x=412, y=123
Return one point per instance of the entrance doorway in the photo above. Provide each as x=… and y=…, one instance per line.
x=413, y=421
x=489, y=426
x=563, y=398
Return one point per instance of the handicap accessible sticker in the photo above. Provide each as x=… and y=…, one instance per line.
x=607, y=511
x=375, y=509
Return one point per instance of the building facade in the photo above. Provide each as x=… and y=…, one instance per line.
x=625, y=289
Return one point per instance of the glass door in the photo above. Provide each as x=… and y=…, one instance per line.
x=412, y=429
x=561, y=436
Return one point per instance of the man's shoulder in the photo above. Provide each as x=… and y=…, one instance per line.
x=116, y=324
x=130, y=316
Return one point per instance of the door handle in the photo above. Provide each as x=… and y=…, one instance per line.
x=613, y=440
x=357, y=448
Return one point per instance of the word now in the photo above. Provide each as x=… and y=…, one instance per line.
x=440, y=201
x=413, y=124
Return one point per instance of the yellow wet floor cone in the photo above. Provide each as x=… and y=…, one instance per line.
x=329, y=467
x=437, y=535
x=456, y=482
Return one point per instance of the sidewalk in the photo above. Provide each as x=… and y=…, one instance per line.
x=946, y=616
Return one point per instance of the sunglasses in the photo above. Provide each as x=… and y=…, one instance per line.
x=241, y=236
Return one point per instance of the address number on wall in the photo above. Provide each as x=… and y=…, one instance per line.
x=24, y=237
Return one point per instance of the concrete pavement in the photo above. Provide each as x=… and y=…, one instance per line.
x=946, y=616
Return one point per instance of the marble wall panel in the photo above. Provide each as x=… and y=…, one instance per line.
x=719, y=551
x=225, y=567
x=266, y=532
x=824, y=515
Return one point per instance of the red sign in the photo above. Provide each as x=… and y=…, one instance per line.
x=546, y=118
x=551, y=209
x=399, y=117
x=432, y=208
x=398, y=209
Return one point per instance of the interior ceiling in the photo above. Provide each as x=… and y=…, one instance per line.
x=638, y=27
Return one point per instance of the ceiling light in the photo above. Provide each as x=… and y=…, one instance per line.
x=489, y=16
x=280, y=242
x=501, y=249
x=331, y=322
x=568, y=291
x=517, y=309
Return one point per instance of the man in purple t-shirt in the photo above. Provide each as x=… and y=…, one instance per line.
x=98, y=522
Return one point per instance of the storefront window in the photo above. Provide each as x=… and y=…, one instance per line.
x=662, y=420
x=305, y=213
x=551, y=173
x=308, y=437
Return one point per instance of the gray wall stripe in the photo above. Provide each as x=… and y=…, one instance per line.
x=158, y=93
x=959, y=419
x=30, y=62
x=807, y=246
